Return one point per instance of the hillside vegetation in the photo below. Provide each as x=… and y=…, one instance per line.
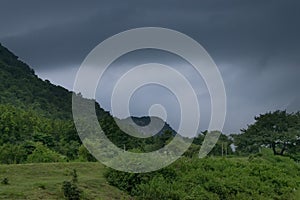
x=262, y=176
x=36, y=123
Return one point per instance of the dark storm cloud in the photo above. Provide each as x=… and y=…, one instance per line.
x=67, y=30
x=255, y=43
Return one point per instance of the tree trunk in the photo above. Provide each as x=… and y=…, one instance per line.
x=283, y=149
x=274, y=148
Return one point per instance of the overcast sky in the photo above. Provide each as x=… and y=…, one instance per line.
x=255, y=44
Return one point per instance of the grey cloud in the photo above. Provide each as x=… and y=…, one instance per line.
x=255, y=43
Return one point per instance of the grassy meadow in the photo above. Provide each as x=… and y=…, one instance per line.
x=44, y=181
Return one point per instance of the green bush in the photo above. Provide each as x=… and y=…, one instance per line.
x=262, y=176
x=71, y=190
x=130, y=181
x=12, y=154
x=44, y=154
x=157, y=188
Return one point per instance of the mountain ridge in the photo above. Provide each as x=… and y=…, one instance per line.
x=9, y=63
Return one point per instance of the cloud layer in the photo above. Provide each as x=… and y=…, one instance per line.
x=254, y=43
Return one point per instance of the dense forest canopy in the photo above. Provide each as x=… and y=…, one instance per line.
x=277, y=130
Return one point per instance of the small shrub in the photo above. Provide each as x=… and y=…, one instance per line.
x=71, y=190
x=74, y=176
x=5, y=181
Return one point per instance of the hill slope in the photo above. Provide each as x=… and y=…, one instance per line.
x=19, y=86
x=36, y=111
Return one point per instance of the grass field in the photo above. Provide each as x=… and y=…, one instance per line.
x=44, y=181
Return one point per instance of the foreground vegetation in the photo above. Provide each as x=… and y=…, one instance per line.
x=45, y=180
x=260, y=176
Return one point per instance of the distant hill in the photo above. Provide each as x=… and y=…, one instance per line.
x=141, y=125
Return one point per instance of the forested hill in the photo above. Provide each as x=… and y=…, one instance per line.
x=36, y=116
x=36, y=119
x=21, y=87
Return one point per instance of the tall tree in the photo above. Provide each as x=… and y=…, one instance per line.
x=277, y=130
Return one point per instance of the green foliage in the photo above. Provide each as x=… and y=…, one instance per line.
x=157, y=188
x=71, y=190
x=74, y=176
x=20, y=130
x=85, y=155
x=129, y=181
x=221, y=148
x=263, y=176
x=12, y=154
x=45, y=155
x=277, y=130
